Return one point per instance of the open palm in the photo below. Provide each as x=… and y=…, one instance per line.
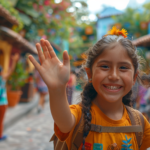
x=54, y=73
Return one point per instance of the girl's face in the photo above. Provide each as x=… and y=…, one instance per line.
x=112, y=74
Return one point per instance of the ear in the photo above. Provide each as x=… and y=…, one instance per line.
x=135, y=77
x=89, y=73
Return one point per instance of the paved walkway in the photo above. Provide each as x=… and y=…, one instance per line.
x=14, y=114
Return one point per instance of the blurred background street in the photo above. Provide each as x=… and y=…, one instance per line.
x=33, y=131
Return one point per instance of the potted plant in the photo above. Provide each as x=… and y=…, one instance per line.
x=15, y=82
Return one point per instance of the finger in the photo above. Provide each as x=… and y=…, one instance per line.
x=40, y=53
x=34, y=62
x=66, y=60
x=45, y=50
x=50, y=49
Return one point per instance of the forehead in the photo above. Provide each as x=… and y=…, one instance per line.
x=115, y=53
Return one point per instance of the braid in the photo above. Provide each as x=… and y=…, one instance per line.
x=87, y=95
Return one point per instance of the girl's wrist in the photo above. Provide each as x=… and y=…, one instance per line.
x=57, y=89
x=58, y=94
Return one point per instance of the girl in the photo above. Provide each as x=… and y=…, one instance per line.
x=112, y=69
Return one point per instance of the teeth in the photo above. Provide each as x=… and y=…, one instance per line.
x=113, y=87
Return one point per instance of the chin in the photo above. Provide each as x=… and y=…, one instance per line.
x=113, y=99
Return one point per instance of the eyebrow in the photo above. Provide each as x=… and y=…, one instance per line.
x=105, y=61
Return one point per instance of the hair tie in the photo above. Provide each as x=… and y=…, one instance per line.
x=115, y=31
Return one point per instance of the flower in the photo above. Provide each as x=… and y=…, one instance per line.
x=115, y=31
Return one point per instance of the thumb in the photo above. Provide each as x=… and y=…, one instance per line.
x=66, y=60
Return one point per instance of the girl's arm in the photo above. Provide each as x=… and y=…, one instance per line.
x=56, y=75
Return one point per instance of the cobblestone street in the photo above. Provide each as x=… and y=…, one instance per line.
x=32, y=132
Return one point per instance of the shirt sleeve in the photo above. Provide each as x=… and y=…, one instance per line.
x=76, y=111
x=146, y=135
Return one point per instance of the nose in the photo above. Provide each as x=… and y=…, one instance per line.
x=114, y=74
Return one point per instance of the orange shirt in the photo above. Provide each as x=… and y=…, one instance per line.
x=103, y=140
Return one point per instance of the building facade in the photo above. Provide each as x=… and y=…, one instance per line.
x=105, y=20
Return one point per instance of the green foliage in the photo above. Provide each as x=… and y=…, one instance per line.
x=27, y=7
x=7, y=5
x=18, y=77
x=55, y=21
x=79, y=46
x=26, y=20
x=52, y=17
x=134, y=17
x=89, y=38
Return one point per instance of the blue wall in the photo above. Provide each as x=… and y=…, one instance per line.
x=103, y=25
x=56, y=51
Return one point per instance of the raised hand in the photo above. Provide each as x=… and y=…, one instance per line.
x=54, y=73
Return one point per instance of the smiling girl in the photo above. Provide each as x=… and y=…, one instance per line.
x=112, y=69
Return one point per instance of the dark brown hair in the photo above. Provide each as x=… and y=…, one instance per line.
x=89, y=92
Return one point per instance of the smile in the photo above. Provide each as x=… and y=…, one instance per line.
x=113, y=87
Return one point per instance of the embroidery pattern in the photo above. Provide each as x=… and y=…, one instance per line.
x=97, y=146
x=113, y=147
x=88, y=146
x=126, y=145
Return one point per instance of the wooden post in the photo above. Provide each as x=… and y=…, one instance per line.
x=6, y=48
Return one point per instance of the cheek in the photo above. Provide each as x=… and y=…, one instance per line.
x=98, y=75
x=98, y=78
x=128, y=78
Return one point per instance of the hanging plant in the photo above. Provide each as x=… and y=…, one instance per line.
x=7, y=5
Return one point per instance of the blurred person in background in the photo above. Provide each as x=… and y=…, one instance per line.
x=135, y=90
x=42, y=90
x=141, y=101
x=3, y=96
x=71, y=86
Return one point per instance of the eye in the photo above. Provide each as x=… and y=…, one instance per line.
x=123, y=67
x=104, y=66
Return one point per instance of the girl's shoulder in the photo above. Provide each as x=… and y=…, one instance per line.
x=137, y=118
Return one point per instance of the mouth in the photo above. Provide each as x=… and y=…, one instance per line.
x=112, y=87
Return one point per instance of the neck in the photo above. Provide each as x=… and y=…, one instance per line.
x=113, y=110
